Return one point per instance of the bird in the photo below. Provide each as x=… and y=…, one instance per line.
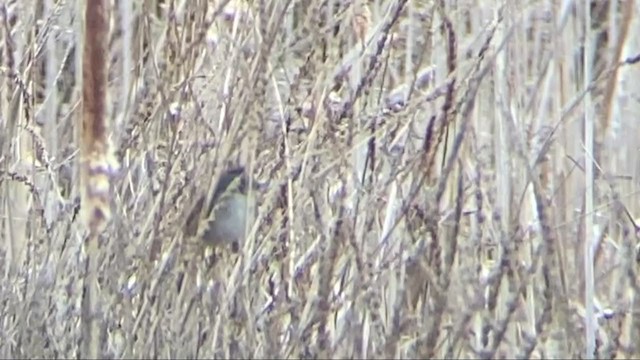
x=227, y=213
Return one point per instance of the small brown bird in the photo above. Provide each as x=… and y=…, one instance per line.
x=227, y=213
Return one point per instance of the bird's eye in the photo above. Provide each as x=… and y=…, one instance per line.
x=235, y=247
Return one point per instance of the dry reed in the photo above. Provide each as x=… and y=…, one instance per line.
x=446, y=179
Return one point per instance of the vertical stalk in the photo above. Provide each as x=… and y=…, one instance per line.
x=96, y=165
x=588, y=192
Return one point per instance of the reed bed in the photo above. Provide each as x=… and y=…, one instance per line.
x=446, y=179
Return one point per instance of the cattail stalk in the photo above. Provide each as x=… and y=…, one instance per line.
x=97, y=163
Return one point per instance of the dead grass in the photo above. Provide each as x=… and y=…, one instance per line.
x=431, y=187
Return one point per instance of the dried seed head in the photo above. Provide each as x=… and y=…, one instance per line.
x=361, y=20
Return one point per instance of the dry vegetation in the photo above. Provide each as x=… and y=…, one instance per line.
x=440, y=173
